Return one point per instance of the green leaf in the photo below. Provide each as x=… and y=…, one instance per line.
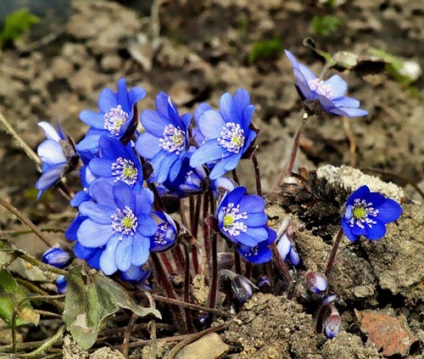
x=8, y=253
x=11, y=294
x=16, y=24
x=266, y=49
x=324, y=25
x=90, y=300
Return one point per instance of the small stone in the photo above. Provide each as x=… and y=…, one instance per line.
x=388, y=332
x=208, y=347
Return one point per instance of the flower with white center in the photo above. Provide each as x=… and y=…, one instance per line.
x=225, y=134
x=367, y=213
x=117, y=163
x=165, y=142
x=330, y=93
x=241, y=218
x=114, y=120
x=115, y=116
x=118, y=222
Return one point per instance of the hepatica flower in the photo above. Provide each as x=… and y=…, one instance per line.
x=117, y=163
x=119, y=219
x=114, y=118
x=166, y=139
x=330, y=93
x=58, y=156
x=241, y=218
x=367, y=213
x=226, y=133
x=261, y=253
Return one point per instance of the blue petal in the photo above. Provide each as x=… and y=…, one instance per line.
x=50, y=177
x=232, y=161
x=161, y=103
x=175, y=169
x=347, y=230
x=210, y=151
x=236, y=195
x=123, y=253
x=352, y=112
x=71, y=232
x=107, y=100
x=101, y=167
x=91, y=234
x=245, y=239
x=211, y=124
x=147, y=226
x=218, y=170
x=91, y=140
x=136, y=94
x=101, y=191
x=140, y=250
x=143, y=202
x=228, y=108
x=256, y=219
x=252, y=203
x=241, y=100
x=83, y=252
x=246, y=117
x=377, y=231
x=389, y=211
x=346, y=102
x=112, y=148
x=122, y=96
x=337, y=85
x=203, y=107
x=147, y=145
x=93, y=119
x=107, y=259
x=154, y=122
x=163, y=166
x=51, y=152
x=360, y=193
x=123, y=195
x=97, y=212
x=375, y=198
x=256, y=255
x=50, y=131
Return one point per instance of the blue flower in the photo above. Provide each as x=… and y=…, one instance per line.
x=261, y=253
x=166, y=141
x=226, y=132
x=330, y=93
x=117, y=163
x=57, y=257
x=115, y=116
x=287, y=250
x=241, y=218
x=367, y=213
x=61, y=284
x=119, y=219
x=58, y=156
x=166, y=233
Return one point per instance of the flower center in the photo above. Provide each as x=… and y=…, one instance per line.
x=360, y=213
x=124, y=170
x=232, y=223
x=319, y=87
x=124, y=222
x=114, y=120
x=232, y=137
x=173, y=139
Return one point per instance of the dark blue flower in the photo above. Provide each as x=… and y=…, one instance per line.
x=367, y=213
x=119, y=219
x=58, y=156
x=61, y=284
x=261, y=253
x=165, y=141
x=166, y=233
x=330, y=93
x=241, y=218
x=117, y=162
x=115, y=116
x=226, y=133
x=57, y=257
x=287, y=250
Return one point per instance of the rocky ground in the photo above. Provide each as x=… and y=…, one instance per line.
x=195, y=51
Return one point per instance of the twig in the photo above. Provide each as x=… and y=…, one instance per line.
x=26, y=221
x=20, y=142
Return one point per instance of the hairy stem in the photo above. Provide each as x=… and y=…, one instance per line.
x=333, y=253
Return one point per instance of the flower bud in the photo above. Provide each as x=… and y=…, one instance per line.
x=242, y=288
x=166, y=233
x=316, y=282
x=61, y=284
x=329, y=299
x=287, y=250
x=264, y=284
x=57, y=257
x=333, y=323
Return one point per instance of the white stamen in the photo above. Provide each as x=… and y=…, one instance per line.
x=125, y=171
x=114, y=120
x=361, y=211
x=318, y=86
x=232, y=137
x=173, y=139
x=124, y=222
x=232, y=225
